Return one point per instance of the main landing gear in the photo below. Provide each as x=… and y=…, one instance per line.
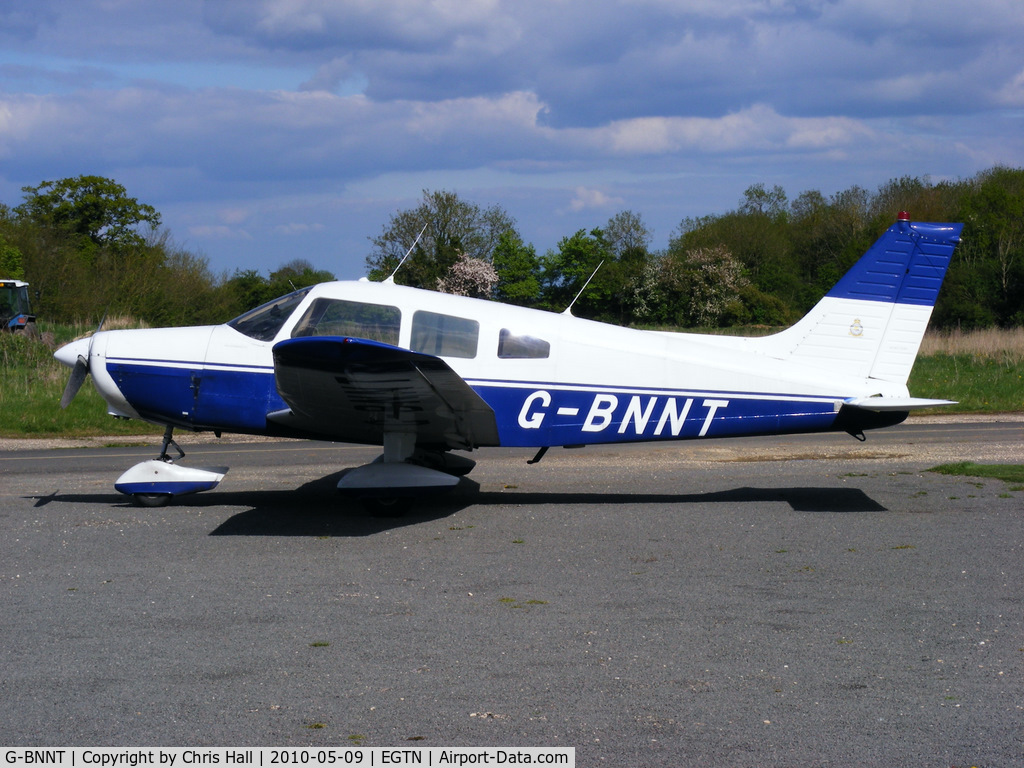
x=155, y=482
x=388, y=486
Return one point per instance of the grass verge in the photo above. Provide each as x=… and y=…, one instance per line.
x=31, y=383
x=978, y=384
x=1008, y=473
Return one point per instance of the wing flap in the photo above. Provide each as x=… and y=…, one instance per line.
x=885, y=404
x=354, y=390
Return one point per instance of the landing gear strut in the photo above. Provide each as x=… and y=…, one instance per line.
x=390, y=485
x=168, y=442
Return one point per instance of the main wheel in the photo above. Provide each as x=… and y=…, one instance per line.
x=153, y=499
x=391, y=506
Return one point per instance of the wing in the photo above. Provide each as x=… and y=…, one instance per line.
x=354, y=390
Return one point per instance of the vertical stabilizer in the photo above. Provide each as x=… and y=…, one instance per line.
x=873, y=320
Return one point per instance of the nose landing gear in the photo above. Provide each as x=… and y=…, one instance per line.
x=156, y=482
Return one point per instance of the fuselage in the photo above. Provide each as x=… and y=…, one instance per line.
x=551, y=379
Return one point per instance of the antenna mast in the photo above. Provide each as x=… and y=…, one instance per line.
x=391, y=278
x=568, y=310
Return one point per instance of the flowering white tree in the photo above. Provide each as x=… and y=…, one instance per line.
x=715, y=278
x=699, y=287
x=469, y=277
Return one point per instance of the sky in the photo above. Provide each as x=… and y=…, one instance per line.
x=265, y=131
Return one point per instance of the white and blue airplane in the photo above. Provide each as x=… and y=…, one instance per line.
x=424, y=374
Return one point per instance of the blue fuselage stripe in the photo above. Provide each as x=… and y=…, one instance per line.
x=527, y=413
x=560, y=416
x=208, y=398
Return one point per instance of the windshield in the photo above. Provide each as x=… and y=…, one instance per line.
x=264, y=323
x=13, y=300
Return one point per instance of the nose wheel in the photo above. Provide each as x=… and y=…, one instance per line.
x=156, y=482
x=152, y=499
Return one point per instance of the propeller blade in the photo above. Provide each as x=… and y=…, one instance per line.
x=75, y=381
x=76, y=356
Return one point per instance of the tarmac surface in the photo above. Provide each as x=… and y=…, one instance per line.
x=808, y=600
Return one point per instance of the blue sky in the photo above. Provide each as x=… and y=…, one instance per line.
x=270, y=130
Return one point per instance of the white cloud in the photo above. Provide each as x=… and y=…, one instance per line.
x=506, y=113
x=757, y=129
x=585, y=199
x=1012, y=94
x=298, y=228
x=218, y=232
x=232, y=216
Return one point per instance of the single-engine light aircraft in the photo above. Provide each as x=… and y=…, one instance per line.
x=423, y=374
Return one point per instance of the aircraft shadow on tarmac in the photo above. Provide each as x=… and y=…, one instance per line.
x=316, y=509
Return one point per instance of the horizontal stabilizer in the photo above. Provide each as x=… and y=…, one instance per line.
x=883, y=404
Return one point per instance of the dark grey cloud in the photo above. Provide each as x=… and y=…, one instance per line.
x=333, y=27
x=21, y=21
x=591, y=63
x=259, y=123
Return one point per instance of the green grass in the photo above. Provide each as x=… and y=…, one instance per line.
x=31, y=383
x=978, y=384
x=1008, y=473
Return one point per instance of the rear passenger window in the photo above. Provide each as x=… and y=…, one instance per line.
x=338, y=317
x=444, y=335
x=518, y=346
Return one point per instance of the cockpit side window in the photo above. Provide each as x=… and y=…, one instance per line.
x=519, y=346
x=339, y=317
x=264, y=322
x=444, y=335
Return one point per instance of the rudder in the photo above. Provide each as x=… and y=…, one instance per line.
x=873, y=320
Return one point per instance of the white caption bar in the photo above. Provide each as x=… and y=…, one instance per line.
x=272, y=757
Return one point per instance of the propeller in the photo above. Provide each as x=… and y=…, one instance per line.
x=75, y=381
x=76, y=356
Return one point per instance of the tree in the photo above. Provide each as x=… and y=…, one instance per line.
x=295, y=274
x=987, y=278
x=518, y=271
x=828, y=236
x=628, y=240
x=565, y=272
x=627, y=236
x=757, y=199
x=10, y=260
x=713, y=280
x=761, y=243
x=91, y=207
x=469, y=277
x=450, y=228
x=246, y=289
x=699, y=287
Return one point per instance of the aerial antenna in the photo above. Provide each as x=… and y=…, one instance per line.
x=568, y=310
x=391, y=278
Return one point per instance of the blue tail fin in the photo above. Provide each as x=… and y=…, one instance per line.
x=871, y=323
x=906, y=265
